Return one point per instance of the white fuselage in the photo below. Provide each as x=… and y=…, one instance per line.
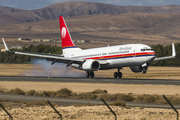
x=117, y=56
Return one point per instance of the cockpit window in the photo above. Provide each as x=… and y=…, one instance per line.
x=142, y=49
x=150, y=49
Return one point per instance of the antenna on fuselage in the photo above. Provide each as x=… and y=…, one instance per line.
x=140, y=41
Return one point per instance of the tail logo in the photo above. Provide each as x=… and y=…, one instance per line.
x=63, y=32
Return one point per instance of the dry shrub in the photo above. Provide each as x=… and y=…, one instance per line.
x=53, y=94
x=139, y=99
x=176, y=101
x=125, y=97
x=19, y=101
x=149, y=99
x=30, y=92
x=37, y=103
x=108, y=97
x=78, y=105
x=159, y=99
x=87, y=95
x=162, y=101
x=99, y=91
x=119, y=103
x=47, y=94
x=117, y=97
x=64, y=92
x=36, y=94
x=156, y=99
x=145, y=99
x=73, y=95
x=1, y=91
x=16, y=91
x=62, y=95
x=7, y=100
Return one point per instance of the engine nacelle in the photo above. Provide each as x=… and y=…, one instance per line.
x=91, y=65
x=136, y=69
x=139, y=69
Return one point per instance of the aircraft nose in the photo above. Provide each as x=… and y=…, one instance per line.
x=154, y=54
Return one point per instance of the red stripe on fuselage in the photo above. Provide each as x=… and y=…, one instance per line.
x=121, y=55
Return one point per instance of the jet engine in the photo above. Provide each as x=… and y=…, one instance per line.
x=136, y=69
x=91, y=65
x=139, y=69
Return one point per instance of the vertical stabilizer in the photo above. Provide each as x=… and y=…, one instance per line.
x=67, y=43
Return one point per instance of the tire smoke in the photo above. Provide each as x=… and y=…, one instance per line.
x=43, y=67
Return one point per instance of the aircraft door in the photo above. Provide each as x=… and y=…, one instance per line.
x=134, y=51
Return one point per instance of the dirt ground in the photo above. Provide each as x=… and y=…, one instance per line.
x=87, y=113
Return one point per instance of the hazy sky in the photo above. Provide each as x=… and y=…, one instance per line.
x=36, y=4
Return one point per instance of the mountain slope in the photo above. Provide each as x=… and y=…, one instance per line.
x=152, y=28
x=76, y=8
x=9, y=10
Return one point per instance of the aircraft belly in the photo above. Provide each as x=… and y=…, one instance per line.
x=133, y=61
x=115, y=63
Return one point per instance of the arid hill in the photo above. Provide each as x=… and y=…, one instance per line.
x=76, y=8
x=152, y=28
x=10, y=10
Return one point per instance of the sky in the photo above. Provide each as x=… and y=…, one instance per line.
x=36, y=4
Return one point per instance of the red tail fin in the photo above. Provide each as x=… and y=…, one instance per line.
x=67, y=43
x=65, y=36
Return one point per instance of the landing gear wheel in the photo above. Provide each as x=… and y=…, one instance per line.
x=87, y=74
x=120, y=75
x=115, y=75
x=92, y=74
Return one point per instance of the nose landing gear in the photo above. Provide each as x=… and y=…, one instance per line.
x=144, y=70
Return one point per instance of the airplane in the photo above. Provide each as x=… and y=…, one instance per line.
x=136, y=56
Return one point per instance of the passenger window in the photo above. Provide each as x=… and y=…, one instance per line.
x=104, y=53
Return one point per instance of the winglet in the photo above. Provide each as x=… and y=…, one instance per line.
x=173, y=50
x=168, y=57
x=5, y=45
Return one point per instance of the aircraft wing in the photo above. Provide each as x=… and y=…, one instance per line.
x=168, y=57
x=51, y=57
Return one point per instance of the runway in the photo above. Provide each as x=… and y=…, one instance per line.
x=91, y=80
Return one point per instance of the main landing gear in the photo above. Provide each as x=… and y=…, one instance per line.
x=118, y=74
x=90, y=74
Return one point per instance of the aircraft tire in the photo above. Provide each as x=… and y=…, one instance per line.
x=87, y=74
x=115, y=75
x=120, y=75
x=92, y=74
